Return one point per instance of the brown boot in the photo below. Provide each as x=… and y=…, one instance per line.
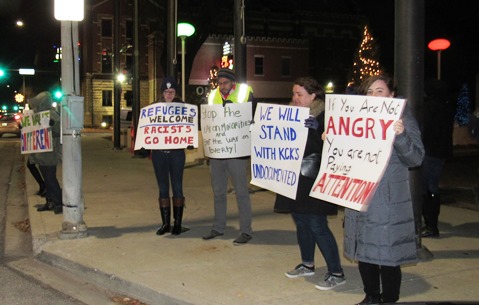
x=165, y=209
x=178, y=206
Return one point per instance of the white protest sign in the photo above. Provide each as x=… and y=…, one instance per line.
x=36, y=132
x=167, y=126
x=357, y=148
x=226, y=130
x=278, y=139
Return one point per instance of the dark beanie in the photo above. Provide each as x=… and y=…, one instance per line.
x=168, y=83
x=227, y=73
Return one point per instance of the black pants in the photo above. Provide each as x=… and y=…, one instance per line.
x=54, y=192
x=374, y=276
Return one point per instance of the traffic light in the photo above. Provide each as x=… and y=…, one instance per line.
x=3, y=73
x=57, y=94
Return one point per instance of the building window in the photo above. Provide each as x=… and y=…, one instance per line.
x=128, y=96
x=129, y=29
x=106, y=28
x=106, y=100
x=286, y=66
x=106, y=62
x=259, y=65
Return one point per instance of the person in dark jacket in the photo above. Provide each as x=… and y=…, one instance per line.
x=438, y=123
x=169, y=165
x=383, y=238
x=48, y=161
x=310, y=214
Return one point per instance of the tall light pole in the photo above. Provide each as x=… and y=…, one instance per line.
x=439, y=45
x=184, y=30
x=24, y=72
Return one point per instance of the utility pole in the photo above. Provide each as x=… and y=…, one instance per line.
x=409, y=74
x=72, y=122
x=239, y=41
x=116, y=83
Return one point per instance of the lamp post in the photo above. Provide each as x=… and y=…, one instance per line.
x=24, y=72
x=439, y=45
x=184, y=30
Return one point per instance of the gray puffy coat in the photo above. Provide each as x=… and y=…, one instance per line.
x=42, y=102
x=385, y=233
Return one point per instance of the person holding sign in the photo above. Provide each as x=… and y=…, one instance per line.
x=48, y=161
x=169, y=164
x=310, y=214
x=382, y=238
x=229, y=91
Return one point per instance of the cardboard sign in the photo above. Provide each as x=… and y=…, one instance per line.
x=36, y=132
x=167, y=126
x=278, y=139
x=357, y=148
x=226, y=130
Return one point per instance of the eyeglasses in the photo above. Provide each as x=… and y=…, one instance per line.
x=169, y=92
x=224, y=83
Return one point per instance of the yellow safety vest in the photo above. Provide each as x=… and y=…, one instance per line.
x=239, y=95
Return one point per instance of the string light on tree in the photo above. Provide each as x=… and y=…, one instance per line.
x=366, y=61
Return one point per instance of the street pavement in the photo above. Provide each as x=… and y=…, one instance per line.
x=122, y=253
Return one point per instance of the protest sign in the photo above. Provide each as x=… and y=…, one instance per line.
x=226, y=130
x=36, y=132
x=167, y=126
x=278, y=139
x=357, y=148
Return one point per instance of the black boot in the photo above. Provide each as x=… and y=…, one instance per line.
x=42, y=190
x=370, y=299
x=165, y=210
x=430, y=211
x=178, y=206
x=48, y=206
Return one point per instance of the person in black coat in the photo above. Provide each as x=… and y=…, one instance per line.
x=310, y=214
x=438, y=122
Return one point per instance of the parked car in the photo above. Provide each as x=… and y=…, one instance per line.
x=10, y=123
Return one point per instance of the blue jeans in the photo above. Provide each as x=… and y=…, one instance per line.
x=169, y=164
x=52, y=186
x=312, y=230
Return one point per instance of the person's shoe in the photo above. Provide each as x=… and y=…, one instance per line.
x=242, y=239
x=330, y=281
x=300, y=270
x=213, y=234
x=48, y=206
x=369, y=299
x=429, y=232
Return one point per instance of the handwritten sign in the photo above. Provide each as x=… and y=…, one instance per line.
x=226, y=130
x=167, y=126
x=36, y=132
x=357, y=148
x=278, y=139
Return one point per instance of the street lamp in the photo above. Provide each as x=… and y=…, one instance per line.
x=184, y=30
x=439, y=45
x=24, y=72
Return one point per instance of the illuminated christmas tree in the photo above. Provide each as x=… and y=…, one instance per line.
x=366, y=61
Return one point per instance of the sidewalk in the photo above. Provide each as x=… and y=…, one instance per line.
x=122, y=252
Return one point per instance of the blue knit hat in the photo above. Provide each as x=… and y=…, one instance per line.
x=168, y=83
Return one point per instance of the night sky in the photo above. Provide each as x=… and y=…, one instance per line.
x=443, y=18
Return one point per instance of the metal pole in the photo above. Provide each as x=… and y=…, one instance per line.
x=116, y=83
x=239, y=41
x=409, y=74
x=183, y=38
x=73, y=207
x=171, y=38
x=439, y=65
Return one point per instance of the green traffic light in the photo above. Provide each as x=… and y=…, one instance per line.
x=58, y=94
x=2, y=73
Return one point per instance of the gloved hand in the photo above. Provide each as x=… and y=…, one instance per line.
x=190, y=147
x=311, y=122
x=52, y=122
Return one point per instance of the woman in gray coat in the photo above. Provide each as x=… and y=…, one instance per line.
x=383, y=238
